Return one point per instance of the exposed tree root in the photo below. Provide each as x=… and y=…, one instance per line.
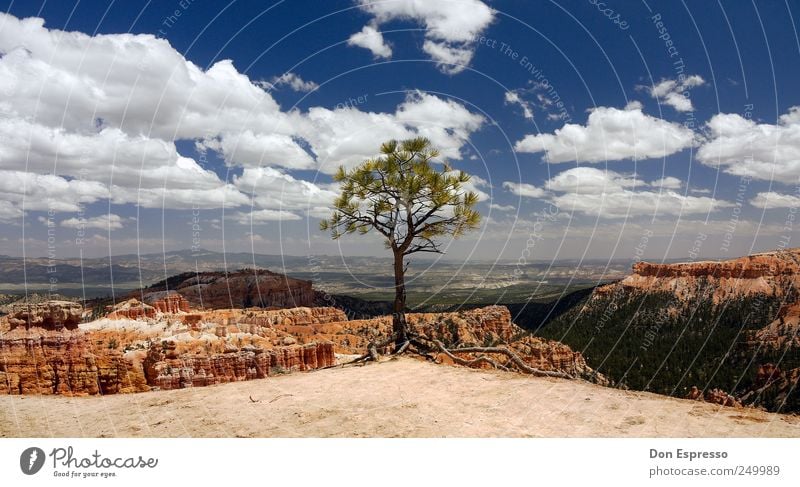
x=513, y=357
x=402, y=348
x=371, y=355
x=423, y=346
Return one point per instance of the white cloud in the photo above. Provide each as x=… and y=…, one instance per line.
x=446, y=123
x=525, y=190
x=9, y=212
x=346, y=136
x=257, y=217
x=272, y=189
x=609, y=194
x=675, y=92
x=248, y=149
x=107, y=155
x=225, y=196
x=450, y=59
x=513, y=98
x=764, y=151
x=495, y=206
x=450, y=28
x=589, y=180
x=637, y=203
x=45, y=192
x=293, y=81
x=668, y=182
x=102, y=114
x=108, y=221
x=370, y=38
x=135, y=82
x=771, y=200
x=611, y=134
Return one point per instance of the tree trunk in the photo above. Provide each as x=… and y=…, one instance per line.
x=399, y=325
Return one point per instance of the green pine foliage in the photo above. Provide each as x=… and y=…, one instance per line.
x=654, y=342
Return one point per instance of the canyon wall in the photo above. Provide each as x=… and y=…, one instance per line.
x=45, y=353
x=53, y=315
x=47, y=362
x=771, y=274
x=166, y=369
x=164, y=342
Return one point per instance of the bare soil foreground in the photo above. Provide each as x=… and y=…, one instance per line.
x=397, y=398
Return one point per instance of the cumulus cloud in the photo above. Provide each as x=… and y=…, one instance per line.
x=589, y=180
x=293, y=81
x=770, y=200
x=742, y=147
x=371, y=38
x=497, y=207
x=450, y=28
x=224, y=196
x=272, y=189
x=88, y=118
x=525, y=190
x=108, y=221
x=637, y=203
x=249, y=149
x=611, y=134
x=9, y=212
x=346, y=136
x=45, y=192
x=609, y=194
x=668, y=182
x=675, y=93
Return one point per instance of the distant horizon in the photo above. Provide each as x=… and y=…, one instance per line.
x=389, y=258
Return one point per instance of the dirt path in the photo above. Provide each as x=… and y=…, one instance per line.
x=405, y=398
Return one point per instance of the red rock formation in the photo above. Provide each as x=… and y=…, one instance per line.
x=718, y=396
x=155, y=303
x=167, y=302
x=782, y=333
x=131, y=309
x=39, y=361
x=489, y=326
x=50, y=315
x=291, y=317
x=695, y=394
x=44, y=353
x=714, y=396
x=89, y=362
x=772, y=274
x=477, y=326
x=167, y=370
x=767, y=373
x=749, y=267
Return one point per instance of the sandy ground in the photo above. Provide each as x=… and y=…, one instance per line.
x=398, y=398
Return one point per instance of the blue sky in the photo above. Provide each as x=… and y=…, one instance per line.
x=593, y=129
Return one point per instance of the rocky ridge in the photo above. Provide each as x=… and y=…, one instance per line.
x=139, y=346
x=748, y=305
x=771, y=274
x=241, y=289
x=45, y=351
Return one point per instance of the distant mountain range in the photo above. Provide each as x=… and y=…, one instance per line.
x=366, y=276
x=99, y=276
